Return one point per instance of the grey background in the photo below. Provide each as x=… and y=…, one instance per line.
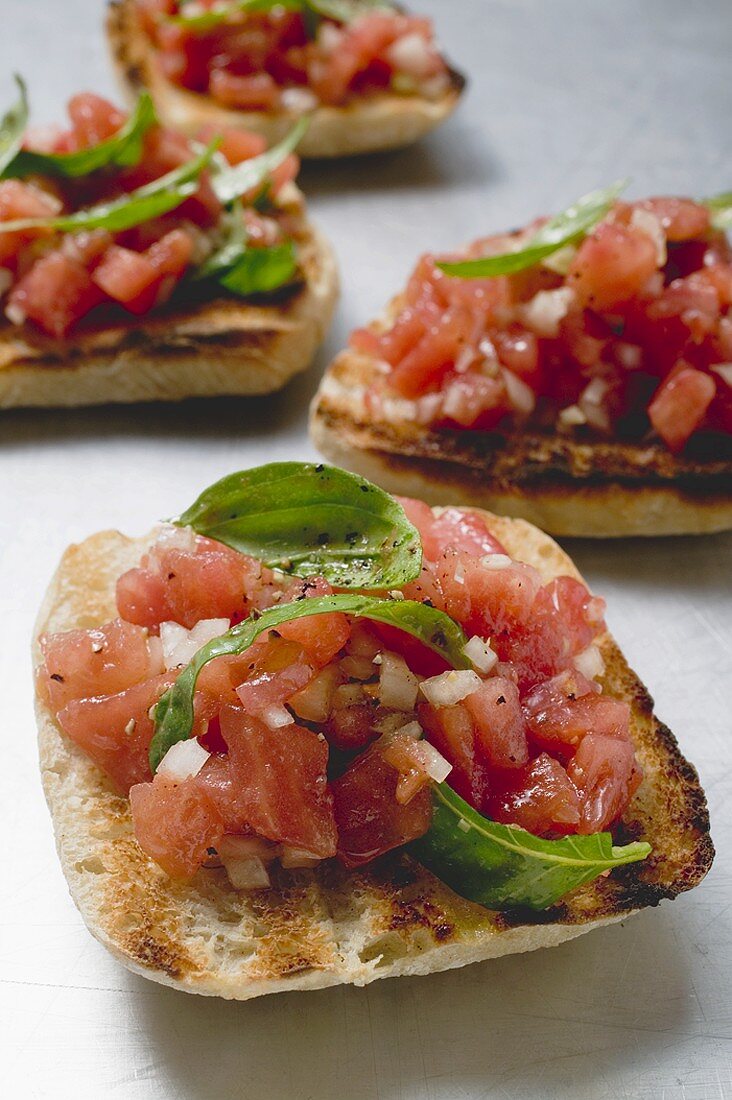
x=565, y=95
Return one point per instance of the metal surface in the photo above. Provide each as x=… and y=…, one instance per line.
x=564, y=96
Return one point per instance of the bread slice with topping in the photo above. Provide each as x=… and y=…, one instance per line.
x=366, y=124
x=317, y=928
x=602, y=489
x=204, y=347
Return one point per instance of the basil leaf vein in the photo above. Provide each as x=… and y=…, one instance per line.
x=121, y=150
x=174, y=712
x=563, y=229
x=501, y=866
x=311, y=519
x=149, y=201
x=13, y=125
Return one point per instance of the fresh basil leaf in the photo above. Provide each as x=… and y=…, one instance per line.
x=307, y=519
x=261, y=270
x=150, y=201
x=721, y=208
x=174, y=712
x=241, y=179
x=121, y=150
x=214, y=17
x=233, y=244
x=502, y=866
x=12, y=127
x=563, y=229
x=342, y=11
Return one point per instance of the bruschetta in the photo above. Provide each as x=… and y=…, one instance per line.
x=311, y=734
x=576, y=373
x=370, y=76
x=137, y=264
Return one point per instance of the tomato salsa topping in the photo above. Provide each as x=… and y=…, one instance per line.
x=326, y=735
x=609, y=321
x=115, y=215
x=294, y=56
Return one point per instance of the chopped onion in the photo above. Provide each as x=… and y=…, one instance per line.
x=546, y=309
x=180, y=645
x=724, y=370
x=572, y=416
x=411, y=729
x=478, y=651
x=247, y=874
x=349, y=695
x=495, y=561
x=291, y=858
x=590, y=663
x=561, y=260
x=434, y=763
x=357, y=668
x=630, y=356
x=591, y=404
x=329, y=38
x=651, y=226
x=238, y=846
x=450, y=688
x=521, y=396
x=183, y=760
x=178, y=538
x=411, y=54
x=313, y=702
x=398, y=685
x=298, y=100
x=15, y=314
x=277, y=716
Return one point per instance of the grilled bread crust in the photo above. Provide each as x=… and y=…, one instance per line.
x=330, y=926
x=376, y=122
x=602, y=489
x=201, y=348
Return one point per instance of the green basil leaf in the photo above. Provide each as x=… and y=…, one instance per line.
x=121, y=150
x=563, y=229
x=150, y=201
x=12, y=127
x=174, y=712
x=721, y=208
x=241, y=179
x=261, y=270
x=502, y=866
x=214, y=17
x=231, y=248
x=342, y=11
x=307, y=519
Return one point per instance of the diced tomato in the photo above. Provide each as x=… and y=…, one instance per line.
x=236, y=145
x=452, y=731
x=125, y=275
x=274, y=783
x=55, y=294
x=21, y=200
x=184, y=586
x=540, y=798
x=369, y=818
x=94, y=119
x=456, y=528
x=611, y=266
x=431, y=358
x=276, y=675
x=101, y=661
x=680, y=405
x=561, y=711
x=681, y=219
x=606, y=774
x=115, y=730
x=257, y=92
x=175, y=823
x=500, y=734
x=321, y=636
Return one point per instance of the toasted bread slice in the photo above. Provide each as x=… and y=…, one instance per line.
x=202, y=348
x=600, y=489
x=377, y=122
x=330, y=926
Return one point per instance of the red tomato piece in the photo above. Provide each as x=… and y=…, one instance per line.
x=540, y=798
x=611, y=266
x=175, y=823
x=55, y=294
x=606, y=774
x=680, y=405
x=500, y=733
